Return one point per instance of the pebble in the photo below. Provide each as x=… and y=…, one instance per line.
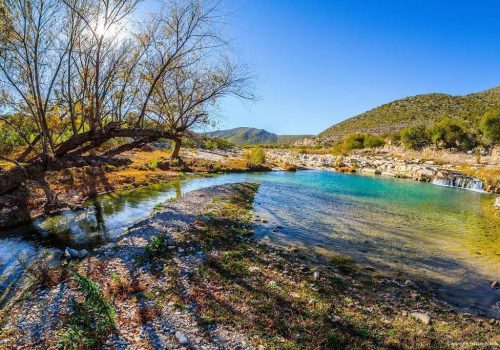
x=336, y=319
x=422, y=317
x=410, y=284
x=316, y=275
x=254, y=269
x=495, y=285
x=181, y=338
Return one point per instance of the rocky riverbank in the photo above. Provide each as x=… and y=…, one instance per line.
x=419, y=170
x=192, y=277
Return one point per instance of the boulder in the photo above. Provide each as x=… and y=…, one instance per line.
x=422, y=317
x=72, y=254
x=53, y=258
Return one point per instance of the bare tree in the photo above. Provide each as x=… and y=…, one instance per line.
x=189, y=99
x=80, y=75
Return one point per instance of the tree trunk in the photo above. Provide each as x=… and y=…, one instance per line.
x=177, y=148
x=14, y=177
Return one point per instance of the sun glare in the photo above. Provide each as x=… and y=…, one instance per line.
x=117, y=31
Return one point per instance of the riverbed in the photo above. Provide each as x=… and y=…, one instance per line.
x=444, y=239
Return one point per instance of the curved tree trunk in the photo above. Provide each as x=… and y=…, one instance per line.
x=177, y=148
x=67, y=154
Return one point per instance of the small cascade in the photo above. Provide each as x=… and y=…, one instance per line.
x=459, y=181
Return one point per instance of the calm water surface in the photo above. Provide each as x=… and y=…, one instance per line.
x=445, y=238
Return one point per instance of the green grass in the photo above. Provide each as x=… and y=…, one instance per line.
x=90, y=320
x=343, y=263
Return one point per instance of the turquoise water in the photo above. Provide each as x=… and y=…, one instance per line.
x=445, y=238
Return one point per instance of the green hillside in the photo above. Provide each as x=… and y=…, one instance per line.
x=421, y=109
x=252, y=136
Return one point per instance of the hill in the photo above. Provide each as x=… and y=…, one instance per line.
x=420, y=109
x=252, y=136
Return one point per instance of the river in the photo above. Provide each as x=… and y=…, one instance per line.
x=445, y=239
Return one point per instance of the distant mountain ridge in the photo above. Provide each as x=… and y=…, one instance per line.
x=252, y=136
x=420, y=109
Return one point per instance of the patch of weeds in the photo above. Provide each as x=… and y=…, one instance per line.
x=120, y=287
x=158, y=207
x=90, y=320
x=338, y=282
x=157, y=249
x=153, y=164
x=180, y=306
x=148, y=314
x=343, y=263
x=206, y=321
x=336, y=340
x=42, y=274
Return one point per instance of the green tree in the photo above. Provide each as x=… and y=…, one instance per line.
x=415, y=137
x=449, y=133
x=490, y=125
x=353, y=141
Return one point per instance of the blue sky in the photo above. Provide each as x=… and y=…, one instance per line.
x=319, y=62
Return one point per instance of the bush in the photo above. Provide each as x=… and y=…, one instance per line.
x=90, y=320
x=416, y=137
x=450, y=133
x=353, y=141
x=216, y=143
x=157, y=248
x=395, y=138
x=358, y=141
x=373, y=141
x=256, y=156
x=490, y=125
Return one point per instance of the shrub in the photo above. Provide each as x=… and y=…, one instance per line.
x=358, y=141
x=395, y=138
x=450, y=133
x=490, y=125
x=216, y=143
x=373, y=141
x=157, y=248
x=353, y=141
x=90, y=320
x=256, y=156
x=416, y=137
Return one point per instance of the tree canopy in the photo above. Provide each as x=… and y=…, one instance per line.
x=76, y=73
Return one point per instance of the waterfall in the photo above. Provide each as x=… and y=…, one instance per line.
x=459, y=181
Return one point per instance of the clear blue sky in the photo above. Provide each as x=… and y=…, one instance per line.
x=319, y=62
